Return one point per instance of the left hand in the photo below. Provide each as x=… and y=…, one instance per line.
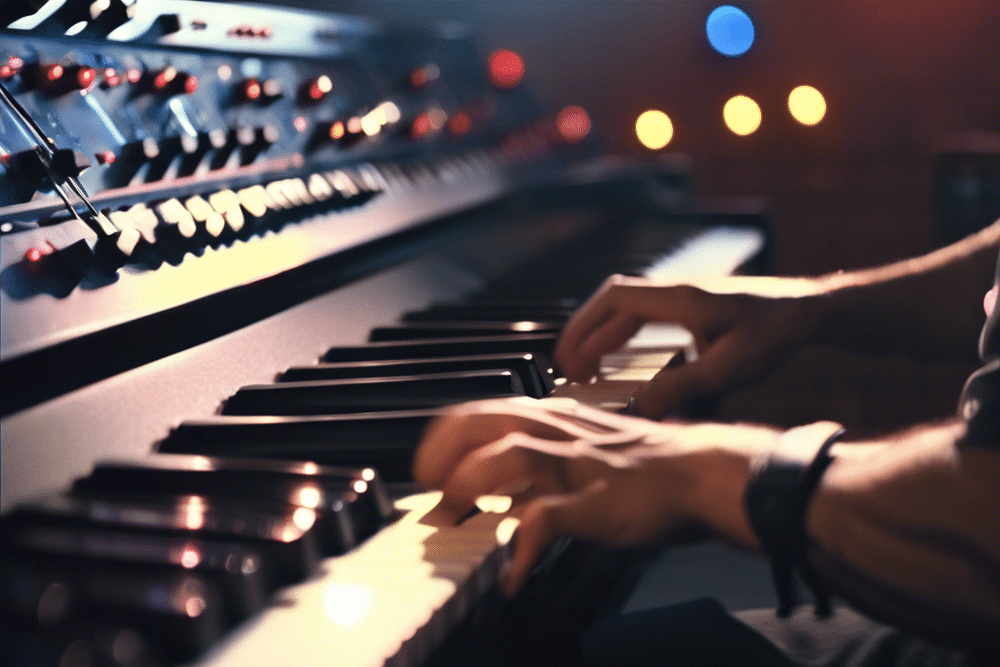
x=583, y=472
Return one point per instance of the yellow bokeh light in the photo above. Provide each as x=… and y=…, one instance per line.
x=807, y=105
x=742, y=115
x=654, y=129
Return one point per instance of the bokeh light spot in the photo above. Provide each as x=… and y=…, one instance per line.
x=807, y=105
x=730, y=31
x=506, y=68
x=742, y=115
x=573, y=123
x=654, y=129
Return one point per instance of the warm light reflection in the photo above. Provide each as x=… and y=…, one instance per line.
x=194, y=606
x=495, y=504
x=506, y=69
x=505, y=530
x=360, y=486
x=807, y=105
x=190, y=556
x=347, y=603
x=573, y=123
x=304, y=518
x=309, y=496
x=742, y=115
x=654, y=129
x=194, y=513
x=309, y=467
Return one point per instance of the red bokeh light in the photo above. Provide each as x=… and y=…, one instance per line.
x=337, y=130
x=191, y=84
x=86, y=76
x=15, y=63
x=252, y=89
x=133, y=75
x=573, y=123
x=107, y=157
x=6, y=72
x=506, y=69
x=55, y=73
x=300, y=123
x=459, y=124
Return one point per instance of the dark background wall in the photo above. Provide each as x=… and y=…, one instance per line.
x=901, y=79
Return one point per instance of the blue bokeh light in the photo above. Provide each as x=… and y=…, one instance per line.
x=730, y=31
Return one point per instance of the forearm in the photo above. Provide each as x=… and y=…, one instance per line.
x=908, y=529
x=929, y=306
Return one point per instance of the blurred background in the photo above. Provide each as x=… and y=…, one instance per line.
x=904, y=158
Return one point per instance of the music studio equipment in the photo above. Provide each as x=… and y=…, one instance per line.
x=247, y=253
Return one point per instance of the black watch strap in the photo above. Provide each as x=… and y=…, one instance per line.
x=776, y=500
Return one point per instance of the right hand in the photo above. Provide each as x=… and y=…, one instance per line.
x=742, y=326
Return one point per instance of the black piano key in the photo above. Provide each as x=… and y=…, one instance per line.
x=484, y=311
x=444, y=347
x=333, y=497
x=534, y=370
x=180, y=615
x=461, y=329
x=287, y=538
x=79, y=643
x=371, y=394
x=235, y=570
x=384, y=440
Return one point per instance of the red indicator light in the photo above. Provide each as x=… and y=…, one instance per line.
x=573, y=123
x=54, y=73
x=337, y=130
x=459, y=124
x=314, y=92
x=36, y=253
x=15, y=63
x=6, y=72
x=86, y=76
x=252, y=89
x=506, y=69
x=161, y=81
x=191, y=84
x=107, y=157
x=111, y=78
x=133, y=75
x=300, y=123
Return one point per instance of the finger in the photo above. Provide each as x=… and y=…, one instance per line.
x=719, y=367
x=468, y=427
x=588, y=317
x=614, y=332
x=508, y=466
x=547, y=518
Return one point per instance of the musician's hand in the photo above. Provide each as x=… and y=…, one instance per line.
x=579, y=471
x=742, y=327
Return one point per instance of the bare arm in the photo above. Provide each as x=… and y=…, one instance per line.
x=908, y=529
x=928, y=307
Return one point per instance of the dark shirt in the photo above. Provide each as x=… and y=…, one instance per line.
x=980, y=401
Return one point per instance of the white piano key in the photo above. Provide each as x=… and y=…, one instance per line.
x=391, y=601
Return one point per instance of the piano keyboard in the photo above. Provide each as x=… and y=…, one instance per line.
x=265, y=253
x=362, y=406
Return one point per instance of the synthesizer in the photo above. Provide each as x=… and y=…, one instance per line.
x=247, y=253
